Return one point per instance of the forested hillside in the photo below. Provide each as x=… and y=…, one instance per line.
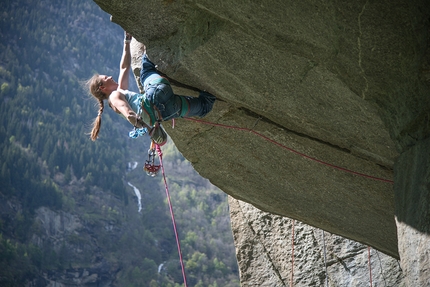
x=50, y=166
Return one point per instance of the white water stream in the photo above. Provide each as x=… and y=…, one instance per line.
x=160, y=267
x=132, y=166
x=138, y=195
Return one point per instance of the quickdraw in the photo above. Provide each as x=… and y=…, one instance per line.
x=150, y=167
x=137, y=132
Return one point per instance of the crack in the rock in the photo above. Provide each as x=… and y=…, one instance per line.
x=257, y=116
x=342, y=259
x=184, y=86
x=266, y=120
x=266, y=252
x=317, y=140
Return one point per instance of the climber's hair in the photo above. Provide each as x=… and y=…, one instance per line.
x=93, y=85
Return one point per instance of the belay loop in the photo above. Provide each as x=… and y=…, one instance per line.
x=150, y=167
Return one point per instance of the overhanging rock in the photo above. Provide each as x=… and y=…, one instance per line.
x=341, y=82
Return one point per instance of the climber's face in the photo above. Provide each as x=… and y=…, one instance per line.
x=107, y=84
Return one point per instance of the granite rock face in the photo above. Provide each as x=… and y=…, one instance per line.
x=317, y=101
x=72, y=237
x=277, y=251
x=413, y=213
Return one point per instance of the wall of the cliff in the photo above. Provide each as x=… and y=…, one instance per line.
x=413, y=212
x=276, y=251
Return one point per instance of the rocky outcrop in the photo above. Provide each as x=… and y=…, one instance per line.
x=76, y=245
x=68, y=247
x=413, y=213
x=316, y=103
x=277, y=251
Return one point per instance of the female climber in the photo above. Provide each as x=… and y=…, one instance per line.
x=158, y=103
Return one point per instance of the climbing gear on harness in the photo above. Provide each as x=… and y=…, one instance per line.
x=158, y=135
x=150, y=167
x=137, y=132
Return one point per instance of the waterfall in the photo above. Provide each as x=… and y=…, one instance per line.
x=138, y=195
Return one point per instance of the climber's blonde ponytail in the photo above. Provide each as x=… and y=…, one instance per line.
x=97, y=122
x=93, y=85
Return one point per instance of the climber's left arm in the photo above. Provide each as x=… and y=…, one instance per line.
x=125, y=64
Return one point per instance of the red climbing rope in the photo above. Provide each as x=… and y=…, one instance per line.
x=370, y=266
x=292, y=253
x=325, y=259
x=310, y=158
x=292, y=150
x=160, y=155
